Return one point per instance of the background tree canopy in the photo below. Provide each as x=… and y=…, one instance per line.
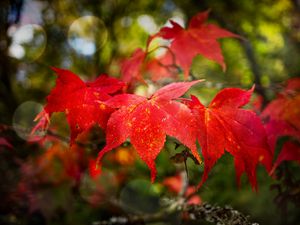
x=52, y=185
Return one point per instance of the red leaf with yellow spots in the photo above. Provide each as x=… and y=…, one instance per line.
x=81, y=101
x=147, y=122
x=223, y=125
x=198, y=38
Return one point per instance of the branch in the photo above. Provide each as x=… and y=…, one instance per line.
x=247, y=46
x=213, y=214
x=217, y=215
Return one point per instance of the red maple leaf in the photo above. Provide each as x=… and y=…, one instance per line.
x=147, y=122
x=278, y=128
x=80, y=101
x=131, y=69
x=289, y=152
x=283, y=119
x=286, y=107
x=199, y=38
x=290, y=149
x=224, y=125
x=162, y=67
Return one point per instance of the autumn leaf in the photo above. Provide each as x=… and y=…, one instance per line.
x=283, y=119
x=147, y=122
x=80, y=101
x=276, y=129
x=93, y=172
x=291, y=148
x=223, y=125
x=292, y=85
x=131, y=69
x=286, y=107
x=70, y=159
x=5, y=143
x=198, y=39
x=57, y=164
x=162, y=67
x=136, y=67
x=289, y=152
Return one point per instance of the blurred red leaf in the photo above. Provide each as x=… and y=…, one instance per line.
x=283, y=119
x=161, y=67
x=276, y=129
x=199, y=38
x=93, y=171
x=291, y=149
x=4, y=142
x=284, y=108
x=289, y=152
x=175, y=184
x=131, y=69
x=292, y=84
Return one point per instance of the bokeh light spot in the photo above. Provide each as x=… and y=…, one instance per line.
x=28, y=42
x=23, y=120
x=87, y=34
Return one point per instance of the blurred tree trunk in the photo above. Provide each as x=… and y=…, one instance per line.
x=7, y=68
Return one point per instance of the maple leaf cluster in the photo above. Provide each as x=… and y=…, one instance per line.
x=222, y=126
